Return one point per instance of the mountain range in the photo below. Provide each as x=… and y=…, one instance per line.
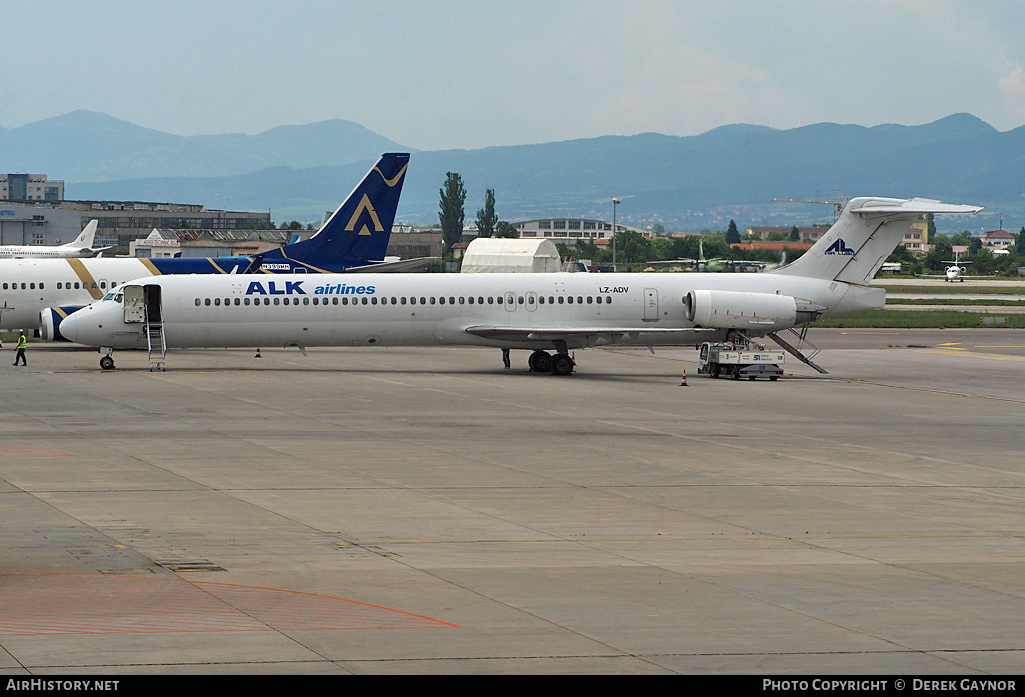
x=685, y=183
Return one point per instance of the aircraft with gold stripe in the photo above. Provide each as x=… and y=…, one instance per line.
x=42, y=292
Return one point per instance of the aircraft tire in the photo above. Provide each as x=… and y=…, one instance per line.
x=562, y=365
x=107, y=363
x=540, y=362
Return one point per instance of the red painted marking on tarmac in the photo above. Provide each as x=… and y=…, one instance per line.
x=19, y=451
x=55, y=603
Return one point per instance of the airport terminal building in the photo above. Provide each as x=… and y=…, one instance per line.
x=120, y=222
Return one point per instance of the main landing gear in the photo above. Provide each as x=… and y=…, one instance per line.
x=544, y=362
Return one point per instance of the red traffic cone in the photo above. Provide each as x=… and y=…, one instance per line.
x=683, y=381
x=257, y=354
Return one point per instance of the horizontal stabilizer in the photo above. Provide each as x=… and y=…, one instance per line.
x=913, y=207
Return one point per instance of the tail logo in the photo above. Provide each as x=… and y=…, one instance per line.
x=365, y=205
x=840, y=248
x=394, y=180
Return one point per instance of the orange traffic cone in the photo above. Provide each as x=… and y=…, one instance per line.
x=683, y=382
x=257, y=354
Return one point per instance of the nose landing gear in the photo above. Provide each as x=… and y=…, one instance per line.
x=107, y=361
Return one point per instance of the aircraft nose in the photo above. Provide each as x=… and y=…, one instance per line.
x=69, y=327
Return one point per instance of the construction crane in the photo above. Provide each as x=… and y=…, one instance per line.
x=840, y=202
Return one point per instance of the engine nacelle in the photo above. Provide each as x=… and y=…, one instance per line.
x=50, y=319
x=726, y=309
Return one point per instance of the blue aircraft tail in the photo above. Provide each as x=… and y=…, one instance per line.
x=358, y=232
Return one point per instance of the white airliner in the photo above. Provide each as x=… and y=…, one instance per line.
x=42, y=293
x=540, y=312
x=79, y=248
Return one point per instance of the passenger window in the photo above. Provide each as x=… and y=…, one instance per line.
x=277, y=301
x=561, y=300
x=238, y=301
x=217, y=302
x=441, y=300
x=197, y=302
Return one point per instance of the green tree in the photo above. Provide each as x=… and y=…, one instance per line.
x=505, y=229
x=661, y=248
x=732, y=234
x=931, y=227
x=451, y=214
x=940, y=253
x=631, y=247
x=795, y=234
x=486, y=216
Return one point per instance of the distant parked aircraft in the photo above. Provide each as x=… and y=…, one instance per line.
x=79, y=248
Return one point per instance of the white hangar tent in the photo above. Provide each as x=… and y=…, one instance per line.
x=504, y=255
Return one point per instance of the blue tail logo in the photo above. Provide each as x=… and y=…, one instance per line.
x=840, y=248
x=357, y=233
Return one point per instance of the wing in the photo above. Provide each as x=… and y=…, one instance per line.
x=610, y=334
x=392, y=266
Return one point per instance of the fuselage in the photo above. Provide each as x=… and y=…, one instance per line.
x=40, y=252
x=27, y=286
x=439, y=309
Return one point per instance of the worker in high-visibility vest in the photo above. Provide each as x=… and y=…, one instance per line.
x=22, y=343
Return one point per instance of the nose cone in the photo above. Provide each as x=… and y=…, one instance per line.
x=69, y=326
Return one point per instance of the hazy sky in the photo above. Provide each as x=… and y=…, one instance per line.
x=471, y=73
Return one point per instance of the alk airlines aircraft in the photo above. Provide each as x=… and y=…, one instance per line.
x=543, y=312
x=44, y=292
x=80, y=247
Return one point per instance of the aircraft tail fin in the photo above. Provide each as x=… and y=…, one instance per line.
x=868, y=231
x=360, y=228
x=85, y=239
